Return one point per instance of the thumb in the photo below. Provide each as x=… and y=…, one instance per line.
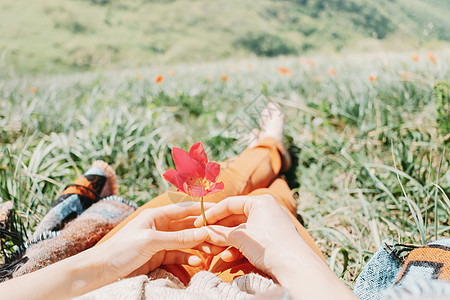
x=182, y=239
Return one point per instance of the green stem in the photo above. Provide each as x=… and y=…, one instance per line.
x=203, y=212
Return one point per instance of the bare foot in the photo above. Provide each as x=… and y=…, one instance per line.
x=253, y=138
x=271, y=122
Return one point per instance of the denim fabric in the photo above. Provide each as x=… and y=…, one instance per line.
x=420, y=289
x=379, y=274
x=442, y=242
x=378, y=280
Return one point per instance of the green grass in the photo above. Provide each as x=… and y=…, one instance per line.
x=56, y=36
x=373, y=157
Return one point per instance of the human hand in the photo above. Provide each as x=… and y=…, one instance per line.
x=262, y=232
x=257, y=227
x=141, y=245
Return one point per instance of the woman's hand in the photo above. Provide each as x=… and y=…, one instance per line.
x=264, y=234
x=137, y=248
x=141, y=245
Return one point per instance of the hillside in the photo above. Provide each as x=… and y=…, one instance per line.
x=52, y=36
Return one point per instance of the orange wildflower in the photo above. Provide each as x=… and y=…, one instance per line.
x=139, y=77
x=33, y=90
x=172, y=72
x=431, y=57
x=415, y=57
x=332, y=71
x=159, y=79
x=372, y=78
x=284, y=71
x=224, y=78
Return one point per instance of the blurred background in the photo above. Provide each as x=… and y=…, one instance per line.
x=60, y=36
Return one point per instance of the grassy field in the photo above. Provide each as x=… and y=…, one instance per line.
x=65, y=36
x=370, y=134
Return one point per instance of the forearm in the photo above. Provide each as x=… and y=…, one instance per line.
x=68, y=278
x=306, y=276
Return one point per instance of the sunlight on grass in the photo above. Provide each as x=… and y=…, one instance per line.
x=371, y=156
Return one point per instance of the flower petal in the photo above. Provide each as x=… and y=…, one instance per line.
x=212, y=170
x=218, y=187
x=172, y=177
x=185, y=164
x=198, y=154
x=196, y=191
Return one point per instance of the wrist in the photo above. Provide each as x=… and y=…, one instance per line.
x=289, y=255
x=304, y=274
x=88, y=272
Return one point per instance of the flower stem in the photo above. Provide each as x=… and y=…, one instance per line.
x=203, y=212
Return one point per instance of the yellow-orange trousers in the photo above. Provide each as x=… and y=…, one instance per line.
x=253, y=172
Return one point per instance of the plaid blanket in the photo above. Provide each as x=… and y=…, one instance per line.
x=86, y=210
x=98, y=182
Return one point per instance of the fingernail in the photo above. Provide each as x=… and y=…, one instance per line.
x=225, y=255
x=206, y=249
x=194, y=261
x=198, y=223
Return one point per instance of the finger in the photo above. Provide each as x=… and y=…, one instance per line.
x=231, y=254
x=177, y=257
x=232, y=221
x=227, y=207
x=210, y=249
x=221, y=235
x=168, y=257
x=188, y=222
x=185, y=223
x=182, y=239
x=150, y=265
x=162, y=215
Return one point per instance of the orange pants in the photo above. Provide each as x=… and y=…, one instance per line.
x=253, y=172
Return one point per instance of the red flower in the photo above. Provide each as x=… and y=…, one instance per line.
x=194, y=175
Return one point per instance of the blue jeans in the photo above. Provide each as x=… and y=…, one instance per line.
x=418, y=278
